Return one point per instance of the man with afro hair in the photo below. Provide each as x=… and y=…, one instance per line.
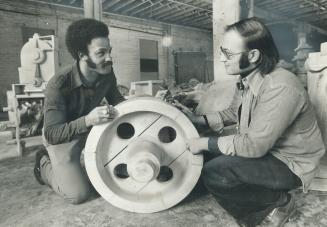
x=72, y=107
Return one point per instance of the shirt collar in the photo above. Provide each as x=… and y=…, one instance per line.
x=253, y=81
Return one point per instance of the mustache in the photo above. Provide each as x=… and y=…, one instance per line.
x=92, y=65
x=107, y=63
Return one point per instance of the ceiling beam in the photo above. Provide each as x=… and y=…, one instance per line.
x=304, y=12
x=191, y=17
x=291, y=9
x=176, y=15
x=122, y=5
x=316, y=4
x=158, y=11
x=193, y=14
x=199, y=19
x=285, y=6
x=270, y=4
x=189, y=5
x=309, y=16
x=151, y=4
x=277, y=18
x=109, y=3
x=206, y=1
x=307, y=10
x=135, y=7
x=183, y=13
x=280, y=7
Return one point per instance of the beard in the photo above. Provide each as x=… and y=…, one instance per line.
x=90, y=63
x=245, y=66
x=100, y=68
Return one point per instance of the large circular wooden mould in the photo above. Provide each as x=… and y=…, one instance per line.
x=139, y=162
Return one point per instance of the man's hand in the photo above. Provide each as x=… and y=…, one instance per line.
x=196, y=119
x=197, y=145
x=184, y=109
x=100, y=114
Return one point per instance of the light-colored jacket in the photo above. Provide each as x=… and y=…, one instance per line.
x=277, y=117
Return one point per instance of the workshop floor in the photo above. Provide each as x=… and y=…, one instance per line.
x=23, y=202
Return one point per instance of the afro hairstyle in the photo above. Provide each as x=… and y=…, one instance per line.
x=80, y=33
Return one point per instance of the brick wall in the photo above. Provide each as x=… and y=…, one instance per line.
x=124, y=35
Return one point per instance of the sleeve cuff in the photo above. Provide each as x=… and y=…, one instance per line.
x=81, y=125
x=213, y=144
x=215, y=121
x=226, y=145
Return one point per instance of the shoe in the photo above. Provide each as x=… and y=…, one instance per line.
x=280, y=215
x=255, y=218
x=37, y=167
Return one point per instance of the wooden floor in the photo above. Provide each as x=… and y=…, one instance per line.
x=23, y=202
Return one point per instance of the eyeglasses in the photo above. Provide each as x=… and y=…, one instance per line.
x=228, y=54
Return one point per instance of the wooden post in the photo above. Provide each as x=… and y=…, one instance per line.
x=219, y=94
x=316, y=66
x=251, y=9
x=93, y=9
x=225, y=12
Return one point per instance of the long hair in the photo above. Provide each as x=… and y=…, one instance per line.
x=257, y=36
x=80, y=33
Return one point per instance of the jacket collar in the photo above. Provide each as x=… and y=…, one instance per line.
x=76, y=77
x=253, y=81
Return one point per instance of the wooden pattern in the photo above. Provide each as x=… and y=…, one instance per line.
x=143, y=151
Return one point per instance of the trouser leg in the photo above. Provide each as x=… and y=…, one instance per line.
x=244, y=185
x=64, y=173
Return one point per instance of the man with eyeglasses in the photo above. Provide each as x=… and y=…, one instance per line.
x=277, y=146
x=72, y=107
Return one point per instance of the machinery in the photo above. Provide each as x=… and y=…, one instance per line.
x=139, y=162
x=39, y=62
x=148, y=87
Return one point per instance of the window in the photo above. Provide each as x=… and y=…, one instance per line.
x=149, y=59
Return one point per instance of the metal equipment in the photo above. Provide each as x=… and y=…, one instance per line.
x=39, y=62
x=139, y=162
x=147, y=87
